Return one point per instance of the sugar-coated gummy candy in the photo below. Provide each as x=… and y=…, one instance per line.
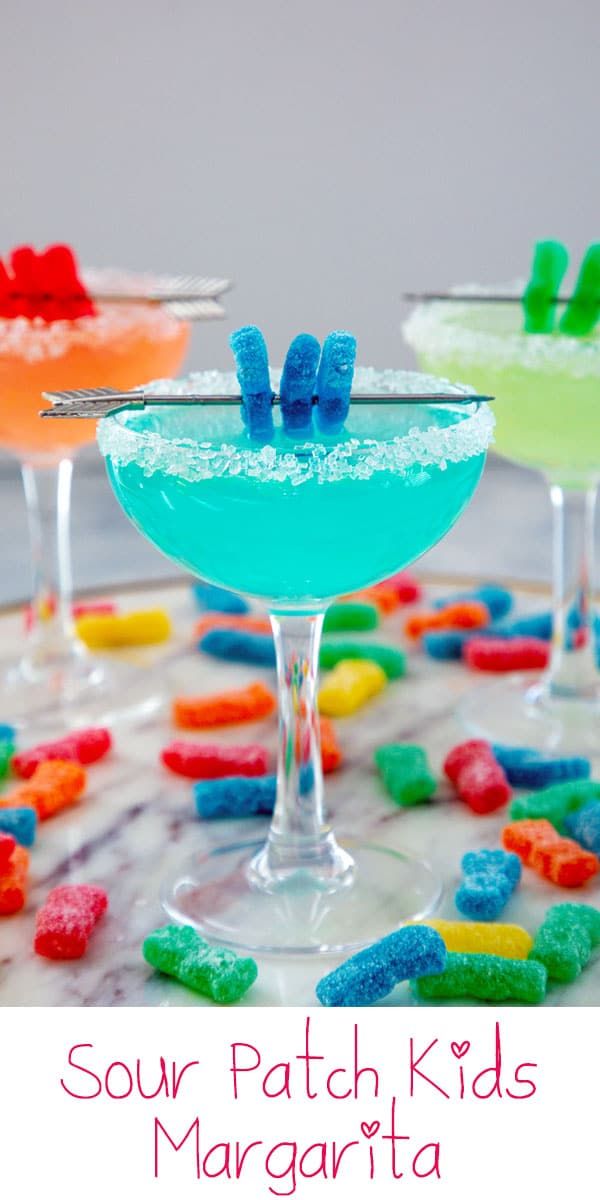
x=206, y=761
x=13, y=882
x=479, y=780
x=298, y=384
x=6, y=753
x=389, y=658
x=556, y=858
x=212, y=971
x=238, y=796
x=583, y=310
x=556, y=802
x=406, y=586
x=382, y=595
x=352, y=683
x=84, y=746
x=66, y=920
x=252, y=367
x=550, y=261
x=54, y=785
x=374, y=972
x=215, y=599
x=463, y=614
x=7, y=845
x=334, y=380
x=536, y=625
x=498, y=600
x=476, y=937
x=566, y=939
x=245, y=622
x=406, y=773
x=584, y=826
x=526, y=768
x=8, y=733
x=485, y=977
x=21, y=823
x=446, y=645
x=350, y=618
x=331, y=753
x=235, y=645
x=506, y=654
x=142, y=628
x=85, y=608
x=224, y=708
x=489, y=880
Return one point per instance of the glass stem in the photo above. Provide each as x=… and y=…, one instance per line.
x=51, y=641
x=300, y=841
x=573, y=673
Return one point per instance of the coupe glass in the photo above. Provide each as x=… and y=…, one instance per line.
x=294, y=524
x=56, y=681
x=548, y=417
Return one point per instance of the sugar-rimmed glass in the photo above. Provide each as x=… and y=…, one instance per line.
x=293, y=524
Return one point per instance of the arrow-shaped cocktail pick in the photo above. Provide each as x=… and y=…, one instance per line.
x=101, y=402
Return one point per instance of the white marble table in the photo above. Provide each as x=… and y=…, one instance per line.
x=137, y=821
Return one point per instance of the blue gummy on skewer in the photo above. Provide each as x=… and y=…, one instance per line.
x=490, y=878
x=21, y=823
x=584, y=826
x=238, y=646
x=374, y=972
x=252, y=364
x=498, y=600
x=8, y=733
x=238, y=796
x=527, y=768
x=334, y=381
x=298, y=384
x=211, y=598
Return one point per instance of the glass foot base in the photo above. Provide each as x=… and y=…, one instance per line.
x=214, y=891
x=89, y=692
x=519, y=711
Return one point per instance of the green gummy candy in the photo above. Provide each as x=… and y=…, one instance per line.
x=353, y=617
x=565, y=940
x=550, y=261
x=554, y=803
x=212, y=971
x=6, y=752
x=583, y=310
x=484, y=977
x=391, y=660
x=406, y=773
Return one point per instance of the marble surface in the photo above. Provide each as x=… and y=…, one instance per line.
x=137, y=821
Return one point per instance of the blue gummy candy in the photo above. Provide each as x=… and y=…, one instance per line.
x=298, y=384
x=584, y=826
x=242, y=795
x=490, y=878
x=448, y=644
x=529, y=769
x=374, y=972
x=8, y=733
x=239, y=646
x=537, y=625
x=334, y=382
x=498, y=600
x=216, y=599
x=20, y=822
x=252, y=363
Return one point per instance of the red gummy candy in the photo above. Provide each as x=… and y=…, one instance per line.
x=13, y=882
x=45, y=284
x=559, y=859
x=7, y=845
x=407, y=588
x=331, y=754
x=83, y=746
x=64, y=924
x=506, y=654
x=477, y=777
x=94, y=608
x=196, y=761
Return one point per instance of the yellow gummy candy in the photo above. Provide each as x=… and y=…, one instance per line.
x=351, y=683
x=108, y=631
x=482, y=937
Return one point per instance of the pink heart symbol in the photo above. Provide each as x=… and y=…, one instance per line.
x=369, y=1130
x=459, y=1049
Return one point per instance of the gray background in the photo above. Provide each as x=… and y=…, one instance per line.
x=327, y=156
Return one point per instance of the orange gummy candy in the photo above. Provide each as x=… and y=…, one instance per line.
x=224, y=708
x=54, y=785
x=382, y=595
x=559, y=859
x=248, y=624
x=13, y=882
x=331, y=754
x=464, y=614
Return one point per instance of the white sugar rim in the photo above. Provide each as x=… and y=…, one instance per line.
x=355, y=458
x=441, y=330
